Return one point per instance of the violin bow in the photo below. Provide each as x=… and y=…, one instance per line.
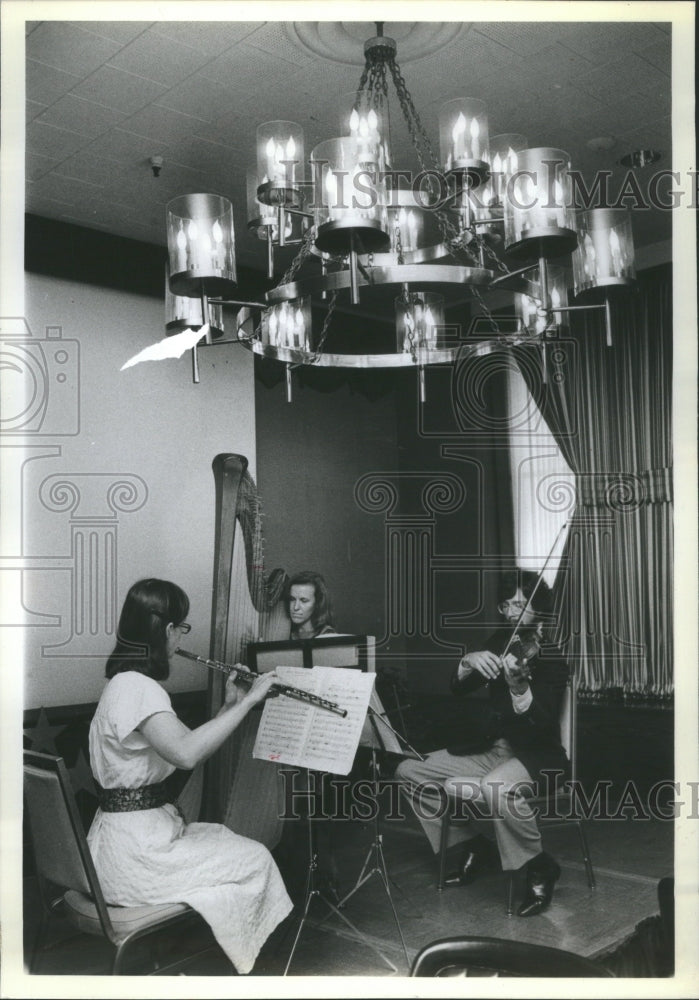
x=536, y=587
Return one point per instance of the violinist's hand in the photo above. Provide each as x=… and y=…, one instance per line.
x=261, y=687
x=482, y=660
x=516, y=674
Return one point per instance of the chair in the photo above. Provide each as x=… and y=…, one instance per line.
x=66, y=873
x=486, y=956
x=557, y=808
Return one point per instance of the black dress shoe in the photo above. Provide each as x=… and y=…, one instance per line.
x=542, y=874
x=481, y=856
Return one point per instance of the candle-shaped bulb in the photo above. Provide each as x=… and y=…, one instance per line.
x=192, y=230
x=269, y=148
x=363, y=127
x=459, y=127
x=354, y=121
x=373, y=120
x=555, y=298
x=290, y=148
x=511, y=161
x=497, y=164
x=273, y=325
x=614, y=241
x=217, y=231
x=300, y=324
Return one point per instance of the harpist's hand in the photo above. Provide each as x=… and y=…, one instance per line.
x=482, y=660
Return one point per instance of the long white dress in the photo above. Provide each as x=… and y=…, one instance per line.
x=152, y=856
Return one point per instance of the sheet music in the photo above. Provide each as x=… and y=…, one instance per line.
x=293, y=732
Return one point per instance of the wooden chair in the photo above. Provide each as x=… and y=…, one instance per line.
x=485, y=956
x=66, y=873
x=554, y=810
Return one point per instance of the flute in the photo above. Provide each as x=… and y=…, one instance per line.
x=291, y=692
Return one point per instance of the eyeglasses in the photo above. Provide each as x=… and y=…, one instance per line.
x=517, y=606
x=184, y=627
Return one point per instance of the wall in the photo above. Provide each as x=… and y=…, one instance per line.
x=310, y=454
x=150, y=429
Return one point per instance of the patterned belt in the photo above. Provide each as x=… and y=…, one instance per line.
x=130, y=799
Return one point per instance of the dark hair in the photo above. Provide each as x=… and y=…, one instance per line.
x=525, y=580
x=322, y=612
x=141, y=634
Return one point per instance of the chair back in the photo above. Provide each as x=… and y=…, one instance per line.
x=494, y=956
x=61, y=852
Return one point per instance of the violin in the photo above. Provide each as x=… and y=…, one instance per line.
x=525, y=646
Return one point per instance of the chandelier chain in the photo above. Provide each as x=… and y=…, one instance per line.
x=324, y=332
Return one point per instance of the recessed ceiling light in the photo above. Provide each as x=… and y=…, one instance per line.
x=601, y=142
x=640, y=158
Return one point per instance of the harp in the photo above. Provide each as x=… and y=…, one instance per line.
x=240, y=791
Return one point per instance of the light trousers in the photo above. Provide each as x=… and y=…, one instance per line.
x=489, y=786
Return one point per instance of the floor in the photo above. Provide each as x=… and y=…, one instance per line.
x=629, y=857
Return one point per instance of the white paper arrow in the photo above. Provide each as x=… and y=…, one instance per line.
x=169, y=347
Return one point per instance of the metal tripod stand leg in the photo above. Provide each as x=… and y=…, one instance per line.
x=312, y=892
x=379, y=866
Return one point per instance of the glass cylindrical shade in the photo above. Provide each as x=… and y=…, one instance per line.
x=262, y=218
x=504, y=161
x=288, y=324
x=359, y=118
x=463, y=135
x=605, y=254
x=280, y=163
x=201, y=245
x=349, y=195
x=419, y=322
x=406, y=222
x=185, y=313
x=539, y=213
x=532, y=313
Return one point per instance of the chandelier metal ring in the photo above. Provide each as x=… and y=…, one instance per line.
x=397, y=274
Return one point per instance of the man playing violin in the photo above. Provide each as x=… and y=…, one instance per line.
x=511, y=736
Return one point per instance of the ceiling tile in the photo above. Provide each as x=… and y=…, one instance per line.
x=89, y=165
x=607, y=84
x=115, y=88
x=197, y=96
x=82, y=116
x=248, y=67
x=46, y=84
x=51, y=141
x=162, y=124
x=33, y=110
x=63, y=188
x=118, y=31
x=274, y=38
x=211, y=37
x=158, y=58
x=523, y=37
x=604, y=41
x=67, y=47
x=36, y=165
x=127, y=147
x=659, y=54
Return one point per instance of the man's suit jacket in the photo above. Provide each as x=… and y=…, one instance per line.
x=534, y=735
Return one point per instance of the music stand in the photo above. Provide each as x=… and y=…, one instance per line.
x=314, y=892
x=375, y=856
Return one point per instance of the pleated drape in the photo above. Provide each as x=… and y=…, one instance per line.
x=610, y=409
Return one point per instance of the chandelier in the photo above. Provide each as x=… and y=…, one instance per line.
x=485, y=213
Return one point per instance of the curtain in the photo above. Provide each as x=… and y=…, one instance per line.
x=609, y=409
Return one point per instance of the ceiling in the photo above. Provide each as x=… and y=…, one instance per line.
x=105, y=96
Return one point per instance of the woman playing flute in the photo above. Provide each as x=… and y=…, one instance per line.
x=143, y=850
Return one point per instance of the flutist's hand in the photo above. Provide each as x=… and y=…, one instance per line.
x=261, y=687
